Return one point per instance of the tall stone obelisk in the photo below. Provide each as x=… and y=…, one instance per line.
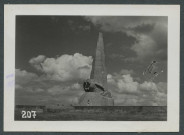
x=98, y=72
x=96, y=91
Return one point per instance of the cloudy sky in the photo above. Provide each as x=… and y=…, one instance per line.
x=54, y=55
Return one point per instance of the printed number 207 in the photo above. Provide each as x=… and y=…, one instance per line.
x=28, y=114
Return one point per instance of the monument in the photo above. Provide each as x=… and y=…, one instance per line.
x=96, y=91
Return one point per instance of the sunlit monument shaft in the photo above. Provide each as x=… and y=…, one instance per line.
x=96, y=91
x=98, y=72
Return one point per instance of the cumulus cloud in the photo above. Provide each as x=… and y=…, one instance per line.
x=162, y=87
x=23, y=77
x=59, y=79
x=57, y=90
x=126, y=84
x=148, y=86
x=36, y=62
x=69, y=89
x=44, y=91
x=66, y=93
x=64, y=68
x=127, y=91
x=122, y=84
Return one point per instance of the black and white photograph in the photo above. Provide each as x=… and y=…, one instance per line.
x=110, y=64
x=110, y=68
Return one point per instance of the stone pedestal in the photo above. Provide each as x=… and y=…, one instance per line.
x=95, y=99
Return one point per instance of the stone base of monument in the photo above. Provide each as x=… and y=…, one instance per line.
x=95, y=99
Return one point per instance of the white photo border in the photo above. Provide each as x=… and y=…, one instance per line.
x=172, y=123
